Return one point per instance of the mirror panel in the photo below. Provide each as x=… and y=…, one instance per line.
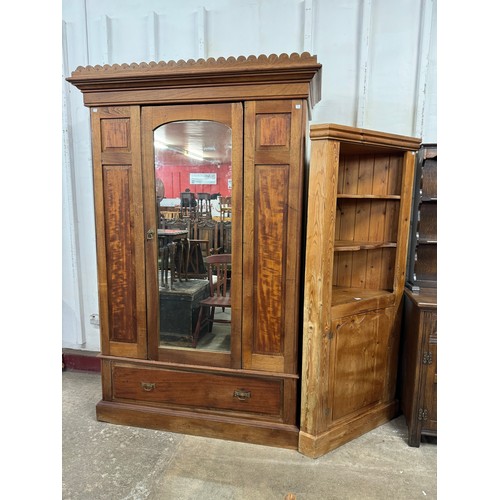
x=193, y=178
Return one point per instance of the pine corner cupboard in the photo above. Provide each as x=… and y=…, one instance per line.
x=228, y=134
x=358, y=217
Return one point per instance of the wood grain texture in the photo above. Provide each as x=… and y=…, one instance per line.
x=273, y=167
x=269, y=273
x=418, y=384
x=119, y=258
x=199, y=424
x=130, y=102
x=318, y=282
x=354, y=256
x=115, y=134
x=220, y=79
x=118, y=205
x=199, y=390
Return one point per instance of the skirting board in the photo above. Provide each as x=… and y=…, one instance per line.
x=206, y=425
x=347, y=430
x=85, y=361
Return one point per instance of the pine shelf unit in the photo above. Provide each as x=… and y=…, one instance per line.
x=359, y=204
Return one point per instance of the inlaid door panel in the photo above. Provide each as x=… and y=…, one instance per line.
x=119, y=230
x=273, y=173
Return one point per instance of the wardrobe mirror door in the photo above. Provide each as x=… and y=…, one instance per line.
x=193, y=182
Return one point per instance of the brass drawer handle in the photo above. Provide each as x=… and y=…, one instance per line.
x=242, y=394
x=148, y=386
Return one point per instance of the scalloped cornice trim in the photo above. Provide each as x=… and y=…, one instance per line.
x=221, y=63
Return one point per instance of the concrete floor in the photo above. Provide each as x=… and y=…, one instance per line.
x=112, y=462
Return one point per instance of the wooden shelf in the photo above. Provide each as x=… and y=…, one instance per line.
x=347, y=301
x=350, y=246
x=368, y=196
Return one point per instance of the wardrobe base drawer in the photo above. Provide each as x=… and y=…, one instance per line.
x=205, y=391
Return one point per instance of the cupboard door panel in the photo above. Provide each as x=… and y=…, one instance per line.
x=120, y=260
x=358, y=356
x=273, y=178
x=119, y=230
x=269, y=269
x=429, y=378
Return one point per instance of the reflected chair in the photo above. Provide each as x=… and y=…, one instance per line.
x=225, y=236
x=225, y=208
x=204, y=206
x=205, y=241
x=219, y=267
x=188, y=208
x=168, y=260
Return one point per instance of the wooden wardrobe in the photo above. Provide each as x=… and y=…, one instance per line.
x=248, y=389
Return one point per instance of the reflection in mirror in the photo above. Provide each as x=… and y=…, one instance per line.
x=193, y=169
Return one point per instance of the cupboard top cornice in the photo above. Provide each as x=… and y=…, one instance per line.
x=294, y=76
x=363, y=137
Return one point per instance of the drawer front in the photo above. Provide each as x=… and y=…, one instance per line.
x=199, y=390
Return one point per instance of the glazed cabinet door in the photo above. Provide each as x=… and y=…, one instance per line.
x=273, y=166
x=119, y=230
x=192, y=174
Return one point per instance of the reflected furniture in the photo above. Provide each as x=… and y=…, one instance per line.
x=179, y=310
x=225, y=208
x=249, y=392
x=358, y=213
x=182, y=243
x=188, y=207
x=218, y=280
x=172, y=248
x=204, y=206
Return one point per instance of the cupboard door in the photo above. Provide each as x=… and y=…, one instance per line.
x=119, y=230
x=192, y=153
x=428, y=384
x=273, y=170
x=359, y=356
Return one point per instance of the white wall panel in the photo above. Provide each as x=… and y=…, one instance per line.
x=79, y=287
x=427, y=124
x=379, y=72
x=336, y=39
x=393, y=66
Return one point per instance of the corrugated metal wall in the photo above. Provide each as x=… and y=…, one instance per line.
x=379, y=72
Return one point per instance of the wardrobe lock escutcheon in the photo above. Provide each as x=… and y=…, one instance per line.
x=150, y=234
x=242, y=394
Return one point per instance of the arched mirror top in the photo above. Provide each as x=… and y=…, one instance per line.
x=192, y=142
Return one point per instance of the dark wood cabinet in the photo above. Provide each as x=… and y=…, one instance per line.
x=419, y=364
x=156, y=129
x=422, y=261
x=418, y=380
